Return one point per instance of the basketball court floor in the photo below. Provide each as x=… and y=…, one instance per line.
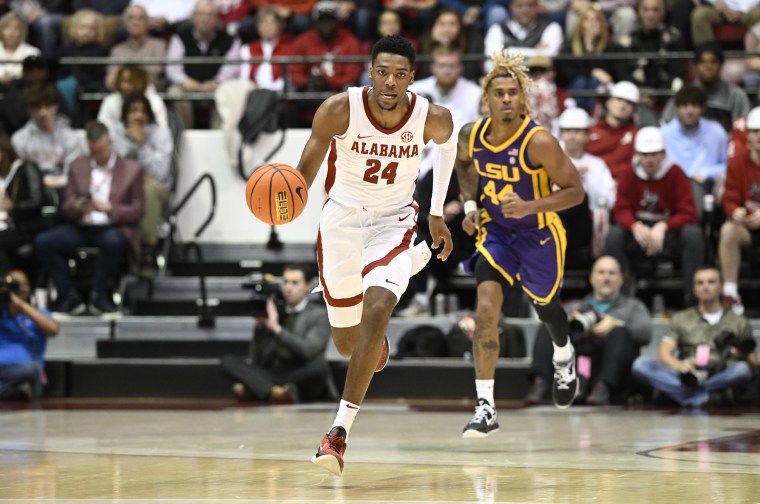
x=216, y=451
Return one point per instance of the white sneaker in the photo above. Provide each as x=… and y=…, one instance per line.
x=420, y=255
x=416, y=309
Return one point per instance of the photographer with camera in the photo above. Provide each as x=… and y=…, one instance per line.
x=24, y=330
x=715, y=349
x=286, y=361
x=607, y=327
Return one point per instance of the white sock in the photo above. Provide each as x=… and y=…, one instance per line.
x=485, y=390
x=563, y=353
x=346, y=414
x=731, y=289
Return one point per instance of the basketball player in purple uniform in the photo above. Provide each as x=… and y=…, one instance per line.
x=521, y=178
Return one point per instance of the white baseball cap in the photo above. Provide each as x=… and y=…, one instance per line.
x=574, y=118
x=753, y=119
x=625, y=91
x=649, y=139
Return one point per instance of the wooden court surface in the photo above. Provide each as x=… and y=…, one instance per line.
x=214, y=451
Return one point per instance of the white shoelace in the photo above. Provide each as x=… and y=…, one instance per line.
x=483, y=411
x=564, y=375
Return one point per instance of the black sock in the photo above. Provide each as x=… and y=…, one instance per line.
x=555, y=317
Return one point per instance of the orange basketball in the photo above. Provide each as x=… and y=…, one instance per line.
x=276, y=193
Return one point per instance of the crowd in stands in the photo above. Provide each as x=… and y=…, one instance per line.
x=664, y=145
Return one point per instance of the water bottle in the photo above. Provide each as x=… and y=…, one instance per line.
x=440, y=304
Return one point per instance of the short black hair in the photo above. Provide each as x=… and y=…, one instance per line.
x=709, y=47
x=394, y=44
x=691, y=95
x=137, y=98
x=306, y=269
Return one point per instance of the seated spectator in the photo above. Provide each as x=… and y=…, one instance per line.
x=139, y=44
x=696, y=144
x=417, y=14
x=449, y=30
x=706, y=350
x=741, y=204
x=24, y=330
x=14, y=111
x=707, y=15
x=286, y=361
x=86, y=34
x=388, y=23
x=112, y=12
x=654, y=35
x=138, y=137
x=103, y=206
x=22, y=203
x=131, y=79
x=271, y=43
x=654, y=213
x=526, y=32
x=296, y=13
x=235, y=16
x=13, y=47
x=328, y=38
x=608, y=328
x=620, y=15
x=725, y=101
x=47, y=139
x=585, y=73
x=611, y=137
x=590, y=221
x=203, y=38
x=164, y=18
x=477, y=14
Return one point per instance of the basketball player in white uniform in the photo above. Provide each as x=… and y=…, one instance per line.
x=373, y=138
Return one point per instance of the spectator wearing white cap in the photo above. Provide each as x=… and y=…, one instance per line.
x=593, y=216
x=741, y=203
x=697, y=144
x=654, y=214
x=611, y=138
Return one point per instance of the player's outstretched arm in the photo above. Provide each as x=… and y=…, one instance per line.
x=330, y=120
x=468, y=179
x=439, y=127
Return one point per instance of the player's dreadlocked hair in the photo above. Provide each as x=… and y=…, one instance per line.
x=509, y=65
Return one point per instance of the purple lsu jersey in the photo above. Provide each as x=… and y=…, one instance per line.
x=531, y=249
x=505, y=168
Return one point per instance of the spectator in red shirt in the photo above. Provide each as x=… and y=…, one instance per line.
x=327, y=39
x=271, y=44
x=654, y=213
x=611, y=138
x=741, y=202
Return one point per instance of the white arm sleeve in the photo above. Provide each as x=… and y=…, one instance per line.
x=443, y=164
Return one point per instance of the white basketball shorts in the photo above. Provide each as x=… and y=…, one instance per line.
x=358, y=248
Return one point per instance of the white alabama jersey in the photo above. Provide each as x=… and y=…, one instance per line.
x=373, y=167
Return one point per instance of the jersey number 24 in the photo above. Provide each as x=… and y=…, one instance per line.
x=388, y=173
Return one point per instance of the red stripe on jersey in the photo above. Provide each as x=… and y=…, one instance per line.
x=336, y=302
x=401, y=124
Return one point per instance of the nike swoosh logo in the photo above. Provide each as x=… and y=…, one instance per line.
x=404, y=217
x=351, y=406
x=543, y=242
x=298, y=193
x=477, y=149
x=394, y=283
x=364, y=136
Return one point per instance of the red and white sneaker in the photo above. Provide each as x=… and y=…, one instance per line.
x=384, y=356
x=330, y=453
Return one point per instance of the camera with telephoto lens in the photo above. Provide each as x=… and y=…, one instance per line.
x=581, y=323
x=724, y=343
x=264, y=286
x=8, y=285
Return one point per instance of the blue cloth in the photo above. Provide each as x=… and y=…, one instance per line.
x=21, y=340
x=699, y=152
x=602, y=306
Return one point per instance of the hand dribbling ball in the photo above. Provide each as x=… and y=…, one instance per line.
x=276, y=193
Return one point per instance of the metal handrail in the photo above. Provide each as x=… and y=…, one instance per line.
x=206, y=176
